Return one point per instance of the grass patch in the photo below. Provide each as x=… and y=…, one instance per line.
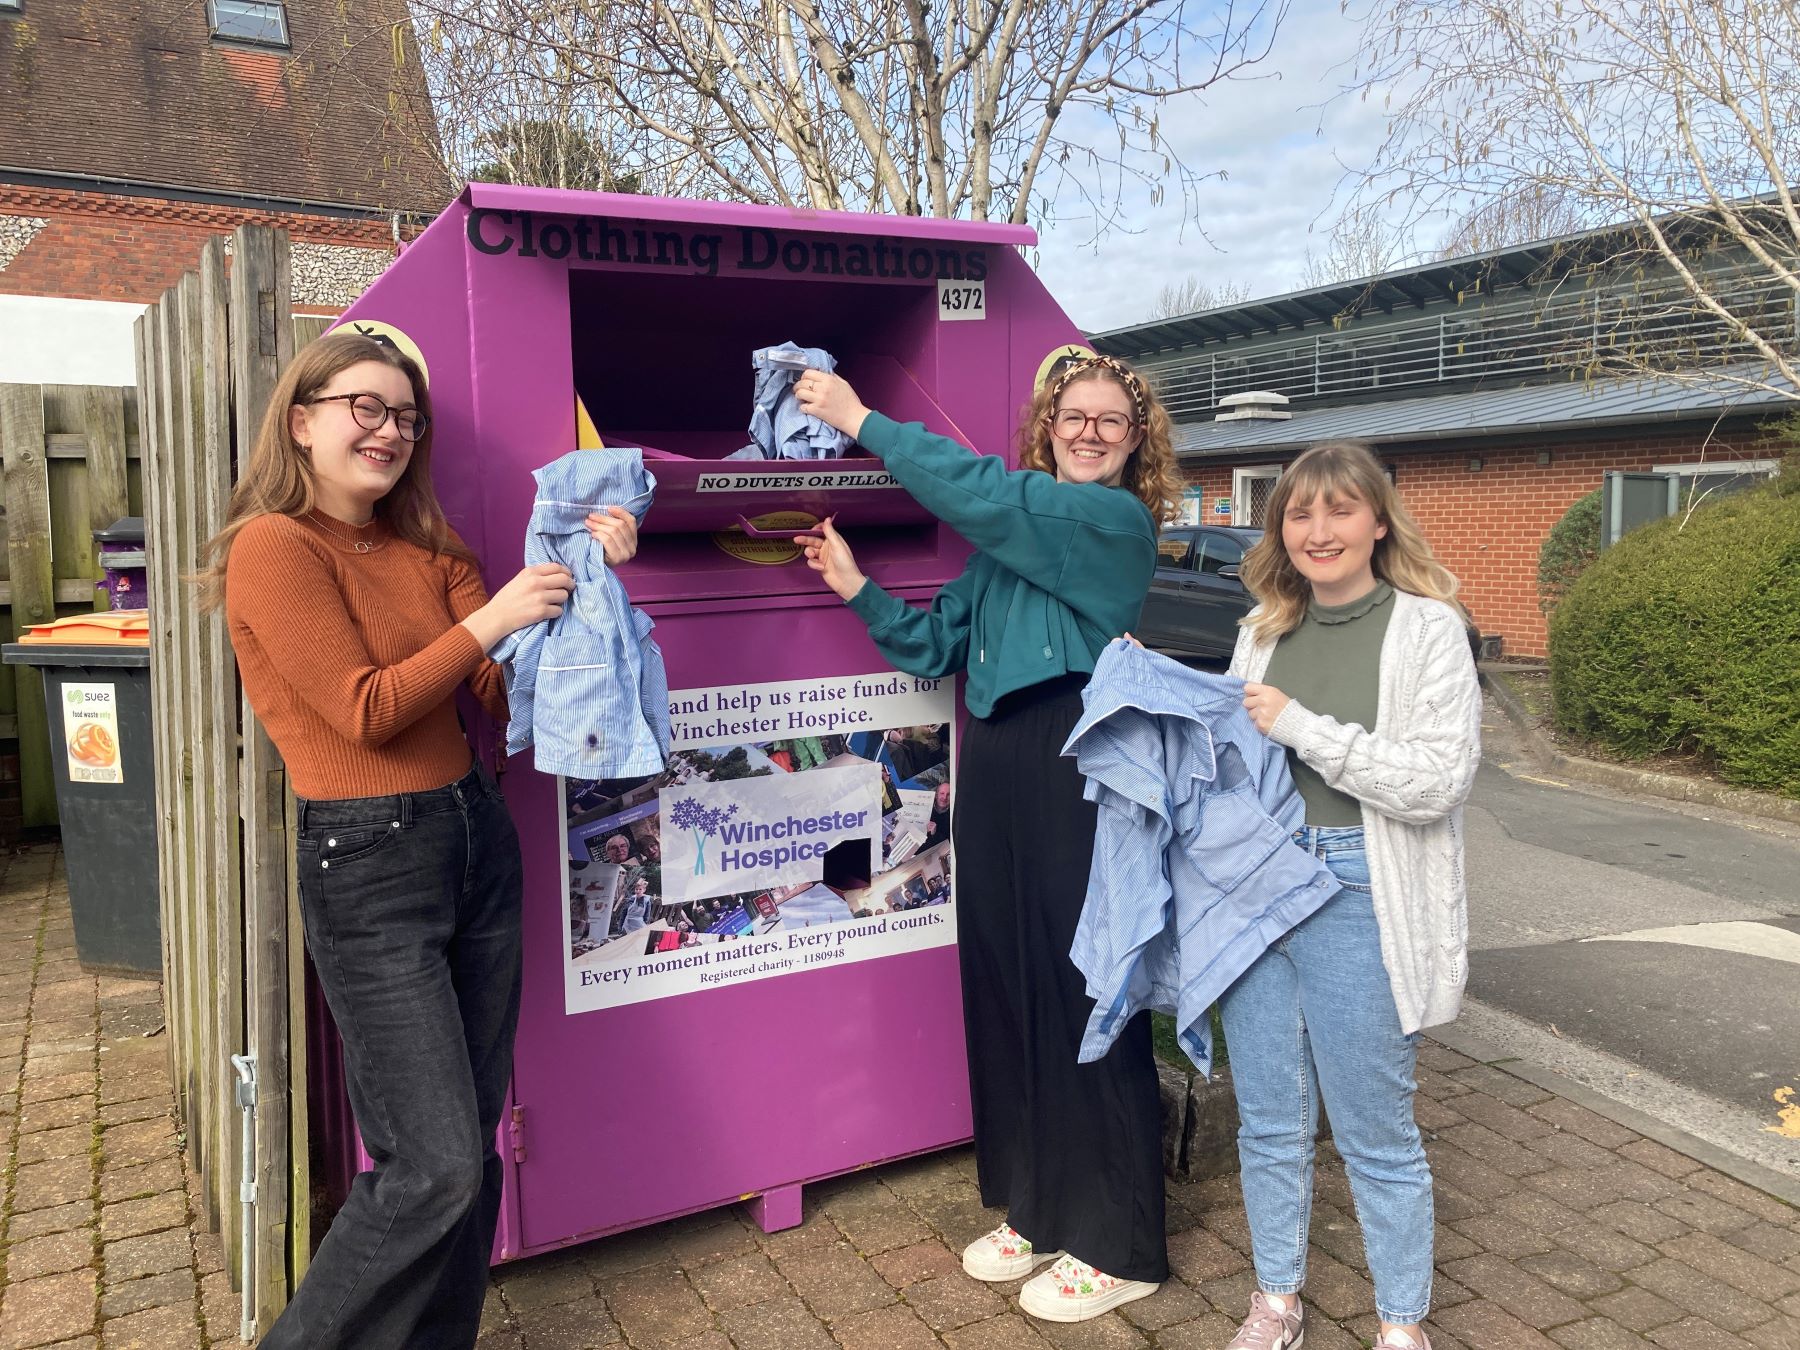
x=1168, y=1048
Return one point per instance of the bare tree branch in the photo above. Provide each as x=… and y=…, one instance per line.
x=1193, y=295
x=1363, y=243
x=1675, y=121
x=946, y=107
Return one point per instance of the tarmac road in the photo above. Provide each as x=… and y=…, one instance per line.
x=1662, y=937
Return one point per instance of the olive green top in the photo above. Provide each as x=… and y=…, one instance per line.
x=1331, y=664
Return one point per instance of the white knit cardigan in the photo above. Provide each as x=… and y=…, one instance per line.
x=1411, y=776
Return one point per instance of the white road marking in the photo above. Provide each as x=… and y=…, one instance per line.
x=1747, y=939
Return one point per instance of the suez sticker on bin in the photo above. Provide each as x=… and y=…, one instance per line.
x=91, y=732
x=836, y=479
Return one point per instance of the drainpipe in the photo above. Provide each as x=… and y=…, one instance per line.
x=245, y=1065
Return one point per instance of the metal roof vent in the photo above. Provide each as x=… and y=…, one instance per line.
x=1256, y=406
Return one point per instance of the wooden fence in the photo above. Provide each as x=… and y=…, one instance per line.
x=71, y=467
x=208, y=355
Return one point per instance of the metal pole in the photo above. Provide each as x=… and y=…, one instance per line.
x=245, y=1065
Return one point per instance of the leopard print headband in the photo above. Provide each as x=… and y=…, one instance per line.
x=1133, y=382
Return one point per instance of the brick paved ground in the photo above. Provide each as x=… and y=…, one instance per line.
x=1558, y=1228
x=94, y=1217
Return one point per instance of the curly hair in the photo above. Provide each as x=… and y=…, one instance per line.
x=1150, y=474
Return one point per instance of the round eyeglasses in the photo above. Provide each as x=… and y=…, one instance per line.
x=371, y=414
x=1071, y=424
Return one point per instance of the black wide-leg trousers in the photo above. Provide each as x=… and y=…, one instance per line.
x=1073, y=1151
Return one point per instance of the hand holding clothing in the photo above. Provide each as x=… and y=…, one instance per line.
x=537, y=593
x=830, y=398
x=1264, y=703
x=616, y=531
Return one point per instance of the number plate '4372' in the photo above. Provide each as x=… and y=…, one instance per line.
x=958, y=300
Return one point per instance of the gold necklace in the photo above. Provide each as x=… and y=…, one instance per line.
x=330, y=526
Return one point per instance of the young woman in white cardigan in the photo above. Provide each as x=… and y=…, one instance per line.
x=1357, y=660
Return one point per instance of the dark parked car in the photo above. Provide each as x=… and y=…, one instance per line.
x=1196, y=598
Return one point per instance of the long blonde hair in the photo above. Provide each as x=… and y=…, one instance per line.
x=277, y=476
x=1150, y=472
x=1402, y=558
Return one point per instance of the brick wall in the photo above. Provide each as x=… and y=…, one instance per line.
x=99, y=246
x=1487, y=525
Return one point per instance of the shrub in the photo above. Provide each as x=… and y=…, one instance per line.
x=1573, y=543
x=1685, y=636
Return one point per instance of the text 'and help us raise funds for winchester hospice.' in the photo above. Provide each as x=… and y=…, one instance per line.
x=723, y=715
x=798, y=823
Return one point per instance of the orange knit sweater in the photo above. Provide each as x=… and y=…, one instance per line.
x=352, y=660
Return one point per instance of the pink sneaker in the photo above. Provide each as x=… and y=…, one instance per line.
x=1402, y=1340
x=1268, y=1328
x=1073, y=1291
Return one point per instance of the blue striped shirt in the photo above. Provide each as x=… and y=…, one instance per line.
x=1195, y=871
x=588, y=687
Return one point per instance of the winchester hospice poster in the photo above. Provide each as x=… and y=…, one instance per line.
x=796, y=824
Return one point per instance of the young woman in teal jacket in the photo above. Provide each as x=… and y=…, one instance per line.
x=1064, y=552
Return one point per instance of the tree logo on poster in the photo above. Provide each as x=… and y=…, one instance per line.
x=775, y=829
x=703, y=822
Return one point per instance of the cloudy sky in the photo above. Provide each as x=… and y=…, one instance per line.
x=1281, y=141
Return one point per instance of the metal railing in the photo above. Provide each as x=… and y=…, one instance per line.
x=1595, y=332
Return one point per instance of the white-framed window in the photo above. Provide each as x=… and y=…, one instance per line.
x=1250, y=490
x=12, y=6
x=1716, y=478
x=264, y=24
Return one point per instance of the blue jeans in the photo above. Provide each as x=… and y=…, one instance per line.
x=411, y=907
x=1316, y=1012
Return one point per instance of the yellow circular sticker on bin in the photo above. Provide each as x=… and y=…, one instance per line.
x=1069, y=351
x=388, y=336
x=768, y=552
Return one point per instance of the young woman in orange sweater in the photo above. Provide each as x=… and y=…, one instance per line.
x=356, y=615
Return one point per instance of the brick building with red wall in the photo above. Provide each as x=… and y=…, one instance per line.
x=134, y=132
x=1457, y=374
x=1487, y=525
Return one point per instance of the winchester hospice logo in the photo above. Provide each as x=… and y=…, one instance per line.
x=772, y=830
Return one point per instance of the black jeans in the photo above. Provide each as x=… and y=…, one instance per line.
x=411, y=905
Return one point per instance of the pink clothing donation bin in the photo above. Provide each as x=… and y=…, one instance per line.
x=740, y=974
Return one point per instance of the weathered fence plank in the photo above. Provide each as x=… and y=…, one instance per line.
x=109, y=481
x=154, y=450
x=162, y=673
x=219, y=745
x=173, y=506
x=263, y=340
x=31, y=574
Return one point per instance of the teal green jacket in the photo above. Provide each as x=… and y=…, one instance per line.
x=1059, y=569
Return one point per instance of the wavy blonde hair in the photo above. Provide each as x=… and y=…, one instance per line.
x=1402, y=558
x=1150, y=474
x=277, y=475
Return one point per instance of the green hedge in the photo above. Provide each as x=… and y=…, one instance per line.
x=1685, y=636
x=1567, y=551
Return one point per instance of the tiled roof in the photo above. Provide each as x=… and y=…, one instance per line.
x=134, y=92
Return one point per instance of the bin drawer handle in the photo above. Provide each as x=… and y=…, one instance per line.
x=755, y=533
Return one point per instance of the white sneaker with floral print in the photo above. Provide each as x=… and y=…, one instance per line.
x=1072, y=1291
x=1002, y=1255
